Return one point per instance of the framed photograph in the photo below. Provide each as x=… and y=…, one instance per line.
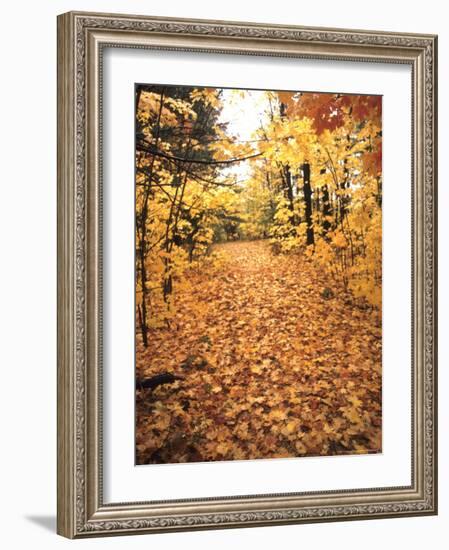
x=246, y=274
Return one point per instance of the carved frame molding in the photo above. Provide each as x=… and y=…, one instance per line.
x=81, y=39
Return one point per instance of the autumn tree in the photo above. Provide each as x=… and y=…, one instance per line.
x=181, y=150
x=323, y=153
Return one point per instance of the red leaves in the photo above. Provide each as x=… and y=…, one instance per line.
x=331, y=111
x=372, y=161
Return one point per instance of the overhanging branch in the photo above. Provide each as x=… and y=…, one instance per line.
x=173, y=158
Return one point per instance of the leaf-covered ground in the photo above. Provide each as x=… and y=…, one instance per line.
x=276, y=363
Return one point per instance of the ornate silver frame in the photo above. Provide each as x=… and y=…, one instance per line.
x=81, y=510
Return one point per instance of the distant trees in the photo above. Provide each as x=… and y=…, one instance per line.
x=322, y=155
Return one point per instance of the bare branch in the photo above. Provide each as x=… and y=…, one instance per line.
x=172, y=158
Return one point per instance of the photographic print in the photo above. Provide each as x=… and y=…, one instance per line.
x=258, y=274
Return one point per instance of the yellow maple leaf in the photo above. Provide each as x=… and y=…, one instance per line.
x=256, y=369
x=289, y=428
x=222, y=448
x=278, y=414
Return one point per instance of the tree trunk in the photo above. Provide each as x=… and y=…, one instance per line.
x=326, y=209
x=307, y=191
x=143, y=309
x=142, y=221
x=379, y=192
x=143, y=330
x=343, y=196
x=288, y=187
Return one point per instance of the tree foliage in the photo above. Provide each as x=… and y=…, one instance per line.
x=322, y=170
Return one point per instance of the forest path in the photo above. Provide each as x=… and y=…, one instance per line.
x=276, y=362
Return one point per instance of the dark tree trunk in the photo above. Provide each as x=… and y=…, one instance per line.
x=343, y=197
x=167, y=286
x=317, y=200
x=143, y=328
x=379, y=192
x=289, y=188
x=142, y=221
x=326, y=209
x=307, y=190
x=143, y=308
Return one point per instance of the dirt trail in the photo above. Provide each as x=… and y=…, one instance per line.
x=277, y=362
